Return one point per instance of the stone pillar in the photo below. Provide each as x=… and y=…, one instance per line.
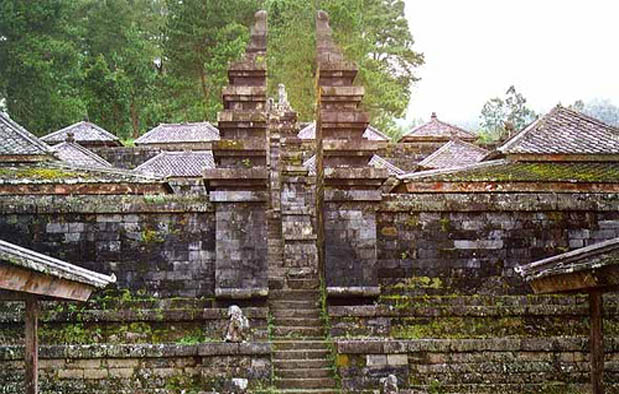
x=238, y=186
x=351, y=186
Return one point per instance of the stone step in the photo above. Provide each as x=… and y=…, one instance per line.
x=300, y=364
x=298, y=322
x=299, y=294
x=301, y=354
x=295, y=345
x=302, y=391
x=287, y=313
x=310, y=283
x=306, y=383
x=293, y=304
x=303, y=373
x=298, y=332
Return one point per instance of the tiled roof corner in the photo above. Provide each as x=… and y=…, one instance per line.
x=17, y=141
x=378, y=162
x=436, y=128
x=178, y=164
x=83, y=132
x=455, y=153
x=590, y=257
x=73, y=153
x=169, y=133
x=563, y=131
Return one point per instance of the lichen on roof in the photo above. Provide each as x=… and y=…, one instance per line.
x=508, y=171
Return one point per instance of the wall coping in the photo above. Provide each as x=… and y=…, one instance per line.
x=108, y=204
x=98, y=351
x=502, y=202
x=550, y=344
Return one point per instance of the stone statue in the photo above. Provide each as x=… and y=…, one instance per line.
x=238, y=326
x=282, y=102
x=390, y=385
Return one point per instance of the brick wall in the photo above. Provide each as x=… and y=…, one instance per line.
x=472, y=242
x=163, y=245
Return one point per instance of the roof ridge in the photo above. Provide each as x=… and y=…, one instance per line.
x=25, y=134
x=98, y=128
x=83, y=150
x=434, y=154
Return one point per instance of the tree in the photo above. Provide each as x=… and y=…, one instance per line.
x=373, y=33
x=602, y=109
x=126, y=36
x=202, y=38
x=501, y=117
x=40, y=64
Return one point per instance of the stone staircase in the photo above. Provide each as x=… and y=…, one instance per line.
x=301, y=356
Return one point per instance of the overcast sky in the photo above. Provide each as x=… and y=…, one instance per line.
x=551, y=50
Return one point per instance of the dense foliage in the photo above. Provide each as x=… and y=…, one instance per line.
x=503, y=116
x=130, y=64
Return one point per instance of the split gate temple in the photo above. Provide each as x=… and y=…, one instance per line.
x=272, y=217
x=350, y=278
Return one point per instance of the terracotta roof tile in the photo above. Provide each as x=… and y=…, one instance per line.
x=73, y=153
x=453, y=154
x=17, y=141
x=564, y=131
x=178, y=164
x=83, y=132
x=167, y=133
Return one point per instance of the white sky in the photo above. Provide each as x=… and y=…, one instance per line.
x=551, y=50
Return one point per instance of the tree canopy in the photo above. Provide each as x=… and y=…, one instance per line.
x=128, y=65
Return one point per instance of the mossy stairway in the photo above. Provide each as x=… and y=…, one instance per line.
x=301, y=357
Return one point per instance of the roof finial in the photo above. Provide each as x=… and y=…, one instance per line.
x=433, y=115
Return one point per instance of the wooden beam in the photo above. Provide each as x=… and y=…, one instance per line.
x=597, y=342
x=31, y=349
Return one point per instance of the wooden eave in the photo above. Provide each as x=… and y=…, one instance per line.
x=20, y=279
x=604, y=278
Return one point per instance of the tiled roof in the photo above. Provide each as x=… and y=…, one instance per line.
x=438, y=129
x=63, y=173
x=454, y=154
x=73, y=153
x=583, y=259
x=17, y=141
x=564, y=131
x=310, y=164
x=512, y=171
x=371, y=133
x=178, y=164
x=34, y=261
x=83, y=132
x=378, y=162
x=167, y=133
